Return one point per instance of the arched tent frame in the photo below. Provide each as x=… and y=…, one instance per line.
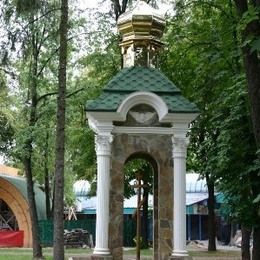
x=13, y=191
x=17, y=203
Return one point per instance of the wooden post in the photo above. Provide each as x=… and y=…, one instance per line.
x=138, y=220
x=138, y=188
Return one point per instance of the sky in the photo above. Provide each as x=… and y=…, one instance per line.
x=97, y=3
x=1, y=159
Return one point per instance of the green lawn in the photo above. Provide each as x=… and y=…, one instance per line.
x=219, y=253
x=26, y=254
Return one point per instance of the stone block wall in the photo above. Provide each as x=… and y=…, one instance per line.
x=157, y=149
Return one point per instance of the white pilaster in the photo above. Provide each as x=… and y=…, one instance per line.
x=180, y=143
x=103, y=151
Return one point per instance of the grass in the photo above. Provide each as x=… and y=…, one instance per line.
x=144, y=252
x=218, y=253
x=26, y=253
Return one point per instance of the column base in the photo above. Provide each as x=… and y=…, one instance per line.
x=101, y=254
x=180, y=255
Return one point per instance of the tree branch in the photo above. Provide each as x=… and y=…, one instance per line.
x=46, y=95
x=47, y=61
x=74, y=92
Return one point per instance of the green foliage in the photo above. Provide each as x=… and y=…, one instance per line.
x=27, y=6
x=133, y=167
x=204, y=60
x=252, y=14
x=6, y=117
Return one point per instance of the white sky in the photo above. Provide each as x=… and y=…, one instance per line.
x=1, y=159
x=97, y=3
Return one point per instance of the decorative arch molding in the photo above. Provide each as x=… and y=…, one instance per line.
x=142, y=97
x=19, y=206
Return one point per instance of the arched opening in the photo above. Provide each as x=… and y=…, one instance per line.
x=7, y=218
x=19, y=207
x=142, y=166
x=126, y=148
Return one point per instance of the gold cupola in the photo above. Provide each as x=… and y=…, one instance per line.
x=141, y=28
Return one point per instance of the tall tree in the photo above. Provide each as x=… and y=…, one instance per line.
x=248, y=12
x=205, y=62
x=58, y=251
x=33, y=38
x=31, y=32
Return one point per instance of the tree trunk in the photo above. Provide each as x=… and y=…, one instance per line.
x=211, y=215
x=119, y=8
x=145, y=218
x=245, y=244
x=58, y=251
x=27, y=160
x=256, y=243
x=37, y=250
x=252, y=69
x=47, y=180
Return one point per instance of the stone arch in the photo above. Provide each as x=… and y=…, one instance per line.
x=124, y=148
x=143, y=155
x=19, y=206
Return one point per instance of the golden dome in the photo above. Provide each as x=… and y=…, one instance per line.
x=141, y=22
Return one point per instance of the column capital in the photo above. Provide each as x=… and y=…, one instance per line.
x=103, y=144
x=180, y=145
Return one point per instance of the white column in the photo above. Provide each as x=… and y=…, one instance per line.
x=179, y=196
x=103, y=151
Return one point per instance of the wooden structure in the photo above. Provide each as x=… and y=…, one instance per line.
x=15, y=208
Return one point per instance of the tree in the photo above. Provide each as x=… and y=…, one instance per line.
x=204, y=61
x=198, y=66
x=31, y=38
x=6, y=118
x=58, y=252
x=236, y=156
x=28, y=33
x=248, y=12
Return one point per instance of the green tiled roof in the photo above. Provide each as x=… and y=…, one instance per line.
x=141, y=78
x=133, y=79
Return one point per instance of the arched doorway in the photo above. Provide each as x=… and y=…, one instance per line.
x=126, y=147
x=144, y=168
